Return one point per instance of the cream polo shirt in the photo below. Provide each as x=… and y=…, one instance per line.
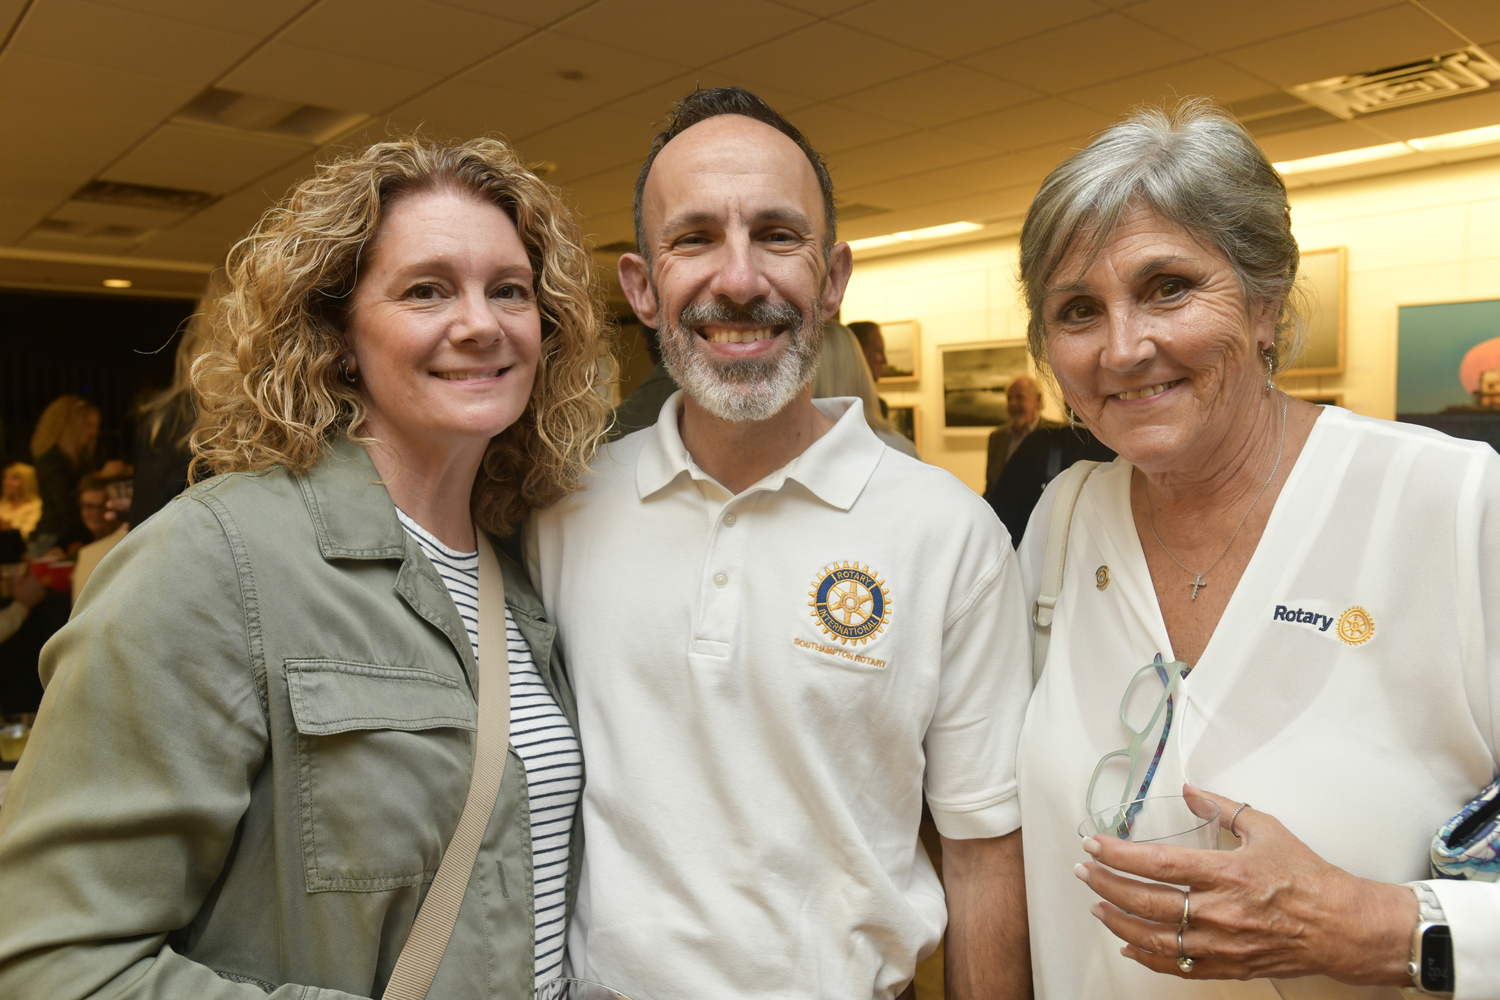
x=1351, y=690
x=756, y=759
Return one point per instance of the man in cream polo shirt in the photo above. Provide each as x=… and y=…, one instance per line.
x=780, y=630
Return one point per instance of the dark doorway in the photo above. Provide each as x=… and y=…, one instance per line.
x=113, y=351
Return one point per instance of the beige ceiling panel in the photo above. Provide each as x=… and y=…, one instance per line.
x=1205, y=77
x=823, y=8
x=459, y=109
x=10, y=13
x=1437, y=117
x=939, y=95
x=953, y=30
x=908, y=154
x=1102, y=48
x=93, y=213
x=612, y=228
x=65, y=142
x=88, y=276
x=19, y=213
x=55, y=84
x=1356, y=45
x=1229, y=23
x=1318, y=141
x=1479, y=20
x=824, y=61
x=307, y=76
x=115, y=38
x=533, y=12
x=568, y=69
x=414, y=34
x=654, y=103
x=588, y=145
x=980, y=176
x=610, y=191
x=831, y=129
x=180, y=156
x=258, y=18
x=1029, y=125
x=677, y=30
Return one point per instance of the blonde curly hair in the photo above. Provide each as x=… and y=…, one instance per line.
x=269, y=387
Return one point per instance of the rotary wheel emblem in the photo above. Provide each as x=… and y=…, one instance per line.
x=1356, y=626
x=849, y=603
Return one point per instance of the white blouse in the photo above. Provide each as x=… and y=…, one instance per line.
x=1361, y=738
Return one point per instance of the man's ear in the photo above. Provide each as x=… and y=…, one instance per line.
x=840, y=267
x=635, y=280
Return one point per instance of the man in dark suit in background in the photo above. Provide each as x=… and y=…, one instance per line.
x=1023, y=400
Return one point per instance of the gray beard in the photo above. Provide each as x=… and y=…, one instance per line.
x=744, y=389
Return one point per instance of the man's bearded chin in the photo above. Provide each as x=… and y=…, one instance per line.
x=742, y=389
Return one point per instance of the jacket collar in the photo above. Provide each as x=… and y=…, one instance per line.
x=834, y=468
x=351, y=511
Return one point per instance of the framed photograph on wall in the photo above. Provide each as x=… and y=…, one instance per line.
x=975, y=377
x=1323, y=271
x=907, y=419
x=903, y=352
x=1448, y=368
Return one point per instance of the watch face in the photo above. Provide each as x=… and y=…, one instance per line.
x=1437, y=959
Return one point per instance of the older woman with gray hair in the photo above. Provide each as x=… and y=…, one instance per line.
x=1260, y=601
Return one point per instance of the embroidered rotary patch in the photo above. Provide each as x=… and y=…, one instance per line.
x=1356, y=626
x=849, y=603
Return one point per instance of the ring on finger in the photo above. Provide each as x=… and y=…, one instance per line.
x=1242, y=808
x=1183, y=962
x=1182, y=924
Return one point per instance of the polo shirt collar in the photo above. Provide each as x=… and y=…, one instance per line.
x=835, y=468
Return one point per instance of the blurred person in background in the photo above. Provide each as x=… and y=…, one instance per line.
x=62, y=445
x=260, y=725
x=20, y=501
x=26, y=593
x=1308, y=597
x=1023, y=404
x=106, y=516
x=842, y=371
x=641, y=407
x=872, y=344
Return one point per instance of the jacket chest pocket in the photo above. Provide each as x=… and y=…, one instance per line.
x=384, y=756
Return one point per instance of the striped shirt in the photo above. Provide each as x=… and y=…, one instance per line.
x=541, y=736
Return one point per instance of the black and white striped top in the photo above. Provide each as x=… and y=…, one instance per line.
x=540, y=734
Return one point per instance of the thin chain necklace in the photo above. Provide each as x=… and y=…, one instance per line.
x=1200, y=583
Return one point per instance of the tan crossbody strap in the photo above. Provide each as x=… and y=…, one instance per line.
x=424, y=947
x=1069, y=485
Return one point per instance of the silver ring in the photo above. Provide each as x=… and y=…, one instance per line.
x=1183, y=962
x=1242, y=808
x=1182, y=924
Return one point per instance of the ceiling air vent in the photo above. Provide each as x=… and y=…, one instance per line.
x=143, y=196
x=1447, y=75
x=309, y=123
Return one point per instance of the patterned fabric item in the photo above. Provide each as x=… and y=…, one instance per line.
x=1468, y=845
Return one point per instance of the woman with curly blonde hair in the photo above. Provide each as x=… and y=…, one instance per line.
x=263, y=721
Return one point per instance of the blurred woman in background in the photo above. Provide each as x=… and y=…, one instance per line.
x=263, y=720
x=843, y=371
x=63, y=448
x=20, y=503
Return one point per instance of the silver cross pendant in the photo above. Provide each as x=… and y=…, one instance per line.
x=1200, y=582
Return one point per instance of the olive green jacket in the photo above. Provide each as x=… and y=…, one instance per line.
x=255, y=744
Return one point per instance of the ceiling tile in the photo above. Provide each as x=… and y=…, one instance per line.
x=55, y=84
x=1230, y=23
x=1478, y=19
x=308, y=76
x=939, y=95
x=1356, y=45
x=989, y=174
x=94, y=213
x=1092, y=51
x=585, y=146
x=677, y=30
x=112, y=37
x=612, y=228
x=907, y=154
x=1454, y=114
x=417, y=35
x=533, y=12
x=822, y=8
x=10, y=13
x=952, y=30
x=19, y=214
x=610, y=191
x=831, y=129
x=64, y=141
x=824, y=60
x=1029, y=125
x=536, y=65
x=654, y=103
x=259, y=18
x=180, y=156
x=460, y=109
x=1205, y=77
x=1317, y=141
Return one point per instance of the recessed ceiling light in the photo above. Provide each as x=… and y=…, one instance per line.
x=117, y=282
x=912, y=236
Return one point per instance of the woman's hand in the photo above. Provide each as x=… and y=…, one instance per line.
x=1269, y=908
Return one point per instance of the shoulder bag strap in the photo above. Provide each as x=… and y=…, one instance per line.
x=418, y=962
x=1069, y=485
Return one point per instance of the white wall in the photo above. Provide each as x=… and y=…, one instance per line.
x=1425, y=236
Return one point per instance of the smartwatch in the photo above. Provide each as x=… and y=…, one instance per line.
x=1431, y=965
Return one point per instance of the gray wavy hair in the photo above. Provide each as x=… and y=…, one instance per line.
x=1193, y=165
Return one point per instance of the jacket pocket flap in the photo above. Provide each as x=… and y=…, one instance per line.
x=335, y=696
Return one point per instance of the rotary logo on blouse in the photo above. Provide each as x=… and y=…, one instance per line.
x=849, y=602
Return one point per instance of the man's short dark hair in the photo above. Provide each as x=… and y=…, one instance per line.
x=863, y=330
x=702, y=105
